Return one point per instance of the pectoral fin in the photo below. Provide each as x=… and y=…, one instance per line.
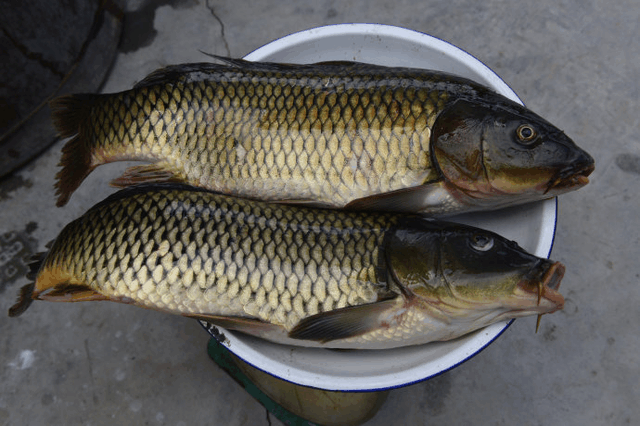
x=412, y=200
x=347, y=322
x=147, y=173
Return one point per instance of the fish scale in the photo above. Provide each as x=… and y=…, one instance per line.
x=238, y=283
x=273, y=135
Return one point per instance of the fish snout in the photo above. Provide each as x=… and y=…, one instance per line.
x=575, y=174
x=541, y=287
x=548, y=287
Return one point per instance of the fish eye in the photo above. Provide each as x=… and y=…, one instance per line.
x=526, y=133
x=481, y=242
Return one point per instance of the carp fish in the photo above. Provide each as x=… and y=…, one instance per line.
x=293, y=275
x=331, y=134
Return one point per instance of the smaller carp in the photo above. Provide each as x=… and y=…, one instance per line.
x=292, y=275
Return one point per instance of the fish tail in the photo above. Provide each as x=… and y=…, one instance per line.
x=36, y=262
x=25, y=296
x=55, y=285
x=76, y=166
x=70, y=115
x=24, y=300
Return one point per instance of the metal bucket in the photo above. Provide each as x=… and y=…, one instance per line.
x=531, y=225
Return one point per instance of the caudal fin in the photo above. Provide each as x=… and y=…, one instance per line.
x=70, y=115
x=54, y=288
x=25, y=296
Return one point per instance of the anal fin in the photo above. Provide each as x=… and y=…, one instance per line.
x=71, y=293
x=147, y=173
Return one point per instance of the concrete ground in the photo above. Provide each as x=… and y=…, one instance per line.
x=575, y=62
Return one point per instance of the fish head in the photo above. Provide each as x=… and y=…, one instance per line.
x=466, y=272
x=495, y=154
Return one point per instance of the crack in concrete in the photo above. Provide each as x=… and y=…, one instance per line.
x=217, y=18
x=34, y=56
x=93, y=385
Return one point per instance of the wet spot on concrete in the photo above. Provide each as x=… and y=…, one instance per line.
x=4, y=417
x=304, y=10
x=629, y=163
x=16, y=250
x=138, y=30
x=436, y=393
x=60, y=374
x=120, y=375
x=570, y=306
x=12, y=183
x=47, y=399
x=135, y=406
x=549, y=333
x=31, y=226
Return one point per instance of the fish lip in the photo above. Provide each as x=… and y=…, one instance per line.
x=544, y=287
x=550, y=284
x=552, y=278
x=572, y=177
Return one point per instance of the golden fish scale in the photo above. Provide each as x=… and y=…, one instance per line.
x=197, y=252
x=271, y=136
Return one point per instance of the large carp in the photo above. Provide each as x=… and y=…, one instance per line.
x=331, y=134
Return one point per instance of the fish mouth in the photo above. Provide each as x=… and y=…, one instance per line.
x=548, y=287
x=573, y=177
x=543, y=291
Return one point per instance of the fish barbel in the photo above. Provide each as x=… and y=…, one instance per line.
x=332, y=134
x=293, y=275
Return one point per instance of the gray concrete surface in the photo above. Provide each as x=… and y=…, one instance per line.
x=575, y=62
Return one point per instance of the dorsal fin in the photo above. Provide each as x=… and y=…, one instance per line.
x=282, y=66
x=181, y=72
